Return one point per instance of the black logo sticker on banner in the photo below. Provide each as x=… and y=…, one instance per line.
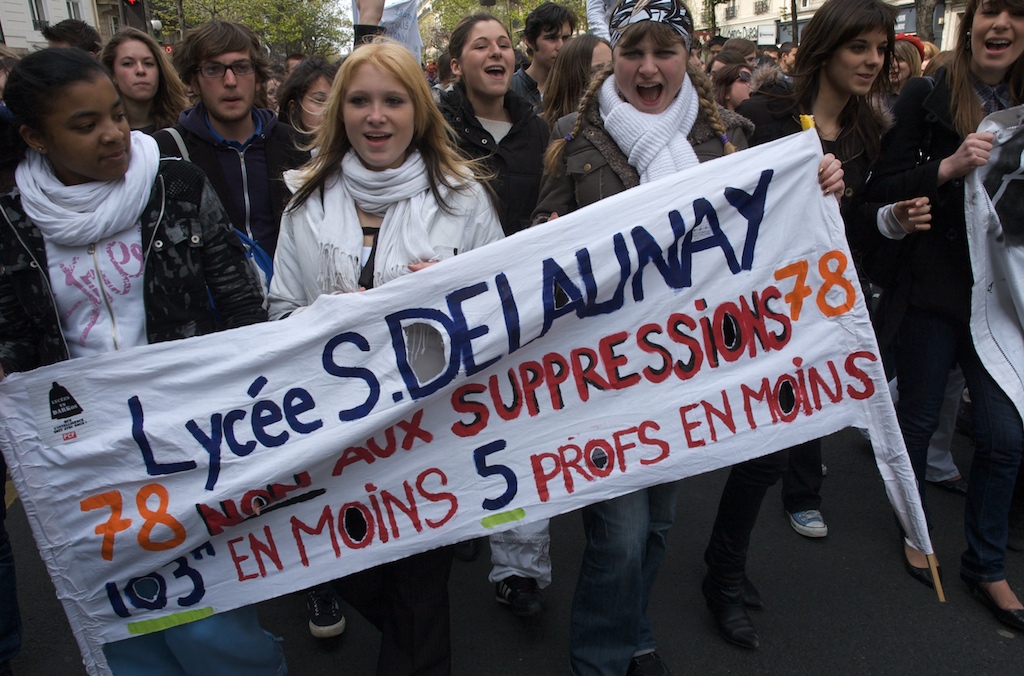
x=62, y=404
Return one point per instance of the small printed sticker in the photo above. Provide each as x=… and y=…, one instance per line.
x=61, y=409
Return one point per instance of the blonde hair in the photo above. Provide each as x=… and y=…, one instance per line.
x=907, y=52
x=662, y=36
x=432, y=136
x=963, y=101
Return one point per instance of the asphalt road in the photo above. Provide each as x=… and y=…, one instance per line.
x=840, y=605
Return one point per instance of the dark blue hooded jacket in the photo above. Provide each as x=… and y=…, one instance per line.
x=246, y=178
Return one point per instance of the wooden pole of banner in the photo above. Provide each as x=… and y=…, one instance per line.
x=933, y=566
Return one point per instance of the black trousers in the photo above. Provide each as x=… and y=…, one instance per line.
x=801, y=482
x=726, y=553
x=407, y=600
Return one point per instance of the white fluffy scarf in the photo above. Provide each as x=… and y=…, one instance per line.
x=78, y=215
x=397, y=194
x=656, y=145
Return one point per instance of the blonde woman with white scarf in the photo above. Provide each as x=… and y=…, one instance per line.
x=384, y=196
x=651, y=115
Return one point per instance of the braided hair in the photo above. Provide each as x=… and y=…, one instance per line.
x=662, y=36
x=708, y=106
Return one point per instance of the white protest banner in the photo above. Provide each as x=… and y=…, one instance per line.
x=683, y=326
x=401, y=24
x=994, y=208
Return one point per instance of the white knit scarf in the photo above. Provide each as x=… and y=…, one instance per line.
x=78, y=215
x=656, y=145
x=397, y=194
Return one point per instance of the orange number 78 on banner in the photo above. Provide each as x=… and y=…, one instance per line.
x=831, y=278
x=151, y=519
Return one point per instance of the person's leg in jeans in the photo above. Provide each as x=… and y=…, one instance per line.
x=10, y=617
x=999, y=442
x=1015, y=538
x=940, y=460
x=231, y=642
x=661, y=501
x=925, y=354
x=625, y=543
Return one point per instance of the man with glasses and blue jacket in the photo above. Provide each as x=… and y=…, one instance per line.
x=242, y=148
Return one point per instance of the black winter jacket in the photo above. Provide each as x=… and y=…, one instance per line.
x=517, y=162
x=191, y=253
x=279, y=143
x=937, y=270
x=775, y=115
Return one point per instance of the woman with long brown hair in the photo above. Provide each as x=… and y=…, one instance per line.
x=841, y=65
x=930, y=150
x=580, y=60
x=152, y=92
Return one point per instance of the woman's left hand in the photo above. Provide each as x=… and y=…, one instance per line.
x=830, y=176
x=914, y=215
x=416, y=267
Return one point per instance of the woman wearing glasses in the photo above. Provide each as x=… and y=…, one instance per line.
x=731, y=85
x=303, y=96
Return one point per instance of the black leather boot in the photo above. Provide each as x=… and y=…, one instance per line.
x=726, y=605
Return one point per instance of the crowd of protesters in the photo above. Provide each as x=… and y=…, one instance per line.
x=345, y=176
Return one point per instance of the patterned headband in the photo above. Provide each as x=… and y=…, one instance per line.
x=669, y=12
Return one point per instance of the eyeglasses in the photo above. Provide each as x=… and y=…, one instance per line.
x=216, y=70
x=744, y=76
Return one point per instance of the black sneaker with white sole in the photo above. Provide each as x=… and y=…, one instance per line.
x=325, y=617
x=521, y=594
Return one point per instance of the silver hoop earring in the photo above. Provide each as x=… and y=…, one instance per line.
x=968, y=40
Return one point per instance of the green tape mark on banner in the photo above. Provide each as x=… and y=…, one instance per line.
x=161, y=623
x=495, y=520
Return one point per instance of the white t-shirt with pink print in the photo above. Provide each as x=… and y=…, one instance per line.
x=98, y=292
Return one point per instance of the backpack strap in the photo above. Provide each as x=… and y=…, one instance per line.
x=180, y=142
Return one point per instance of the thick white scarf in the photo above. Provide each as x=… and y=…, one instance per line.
x=78, y=215
x=397, y=194
x=656, y=145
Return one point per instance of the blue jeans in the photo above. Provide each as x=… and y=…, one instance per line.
x=227, y=643
x=626, y=540
x=10, y=618
x=927, y=347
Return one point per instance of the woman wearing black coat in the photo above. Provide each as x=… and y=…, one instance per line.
x=930, y=151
